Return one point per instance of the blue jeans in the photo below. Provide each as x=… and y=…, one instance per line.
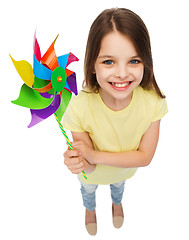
x=88, y=192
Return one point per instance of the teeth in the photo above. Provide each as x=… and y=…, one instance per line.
x=120, y=84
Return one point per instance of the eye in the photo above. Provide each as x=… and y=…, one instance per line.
x=108, y=62
x=134, y=61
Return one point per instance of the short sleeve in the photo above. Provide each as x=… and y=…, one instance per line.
x=71, y=121
x=160, y=110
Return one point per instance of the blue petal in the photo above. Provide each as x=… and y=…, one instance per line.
x=41, y=71
x=62, y=60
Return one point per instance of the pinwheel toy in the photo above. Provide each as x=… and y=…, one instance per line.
x=48, y=87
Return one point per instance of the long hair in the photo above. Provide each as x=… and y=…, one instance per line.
x=131, y=25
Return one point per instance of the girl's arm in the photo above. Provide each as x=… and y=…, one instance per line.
x=141, y=157
x=74, y=159
x=84, y=136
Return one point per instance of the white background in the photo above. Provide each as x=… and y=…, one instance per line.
x=39, y=198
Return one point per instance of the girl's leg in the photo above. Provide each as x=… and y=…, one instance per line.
x=117, y=190
x=88, y=192
x=89, y=201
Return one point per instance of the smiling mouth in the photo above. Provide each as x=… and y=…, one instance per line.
x=120, y=86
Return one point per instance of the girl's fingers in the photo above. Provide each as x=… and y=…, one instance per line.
x=72, y=153
x=77, y=171
x=76, y=167
x=74, y=161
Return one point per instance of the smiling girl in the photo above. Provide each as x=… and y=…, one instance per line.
x=115, y=120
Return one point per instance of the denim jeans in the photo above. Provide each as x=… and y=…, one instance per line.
x=88, y=192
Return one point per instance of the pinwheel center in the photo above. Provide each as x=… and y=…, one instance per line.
x=58, y=79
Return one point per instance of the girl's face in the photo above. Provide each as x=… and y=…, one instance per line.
x=118, y=70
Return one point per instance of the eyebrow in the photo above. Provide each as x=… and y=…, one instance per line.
x=105, y=56
x=135, y=56
x=109, y=56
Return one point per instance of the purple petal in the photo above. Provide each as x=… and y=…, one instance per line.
x=71, y=80
x=46, y=95
x=41, y=114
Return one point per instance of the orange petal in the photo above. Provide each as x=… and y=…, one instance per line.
x=68, y=72
x=50, y=58
x=44, y=89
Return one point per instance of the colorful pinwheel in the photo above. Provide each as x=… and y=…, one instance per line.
x=48, y=86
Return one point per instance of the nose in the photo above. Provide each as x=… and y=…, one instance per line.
x=122, y=72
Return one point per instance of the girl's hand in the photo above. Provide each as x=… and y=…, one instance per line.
x=73, y=159
x=86, y=151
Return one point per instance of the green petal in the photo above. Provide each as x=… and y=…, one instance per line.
x=39, y=83
x=66, y=97
x=30, y=98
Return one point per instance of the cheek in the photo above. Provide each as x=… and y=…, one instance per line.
x=139, y=73
x=102, y=74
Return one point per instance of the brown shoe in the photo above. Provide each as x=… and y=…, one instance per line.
x=117, y=219
x=90, y=222
x=91, y=228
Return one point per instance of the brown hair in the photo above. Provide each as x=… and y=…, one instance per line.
x=131, y=25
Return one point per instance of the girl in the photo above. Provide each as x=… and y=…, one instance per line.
x=115, y=120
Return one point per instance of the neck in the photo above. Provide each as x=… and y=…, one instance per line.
x=113, y=103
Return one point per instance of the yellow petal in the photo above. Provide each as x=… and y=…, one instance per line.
x=25, y=71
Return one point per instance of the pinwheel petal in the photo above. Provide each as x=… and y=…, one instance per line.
x=47, y=95
x=44, y=89
x=41, y=71
x=71, y=58
x=65, y=99
x=67, y=87
x=29, y=98
x=50, y=58
x=68, y=72
x=36, y=48
x=41, y=85
x=25, y=71
x=71, y=80
x=62, y=60
x=41, y=114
